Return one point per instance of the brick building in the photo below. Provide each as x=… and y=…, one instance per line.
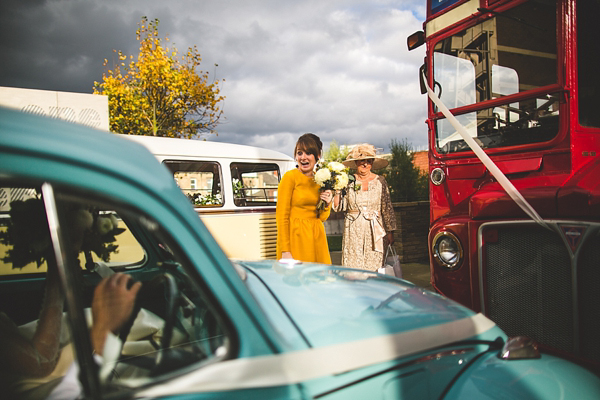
x=421, y=161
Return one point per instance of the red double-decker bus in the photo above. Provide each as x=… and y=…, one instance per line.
x=517, y=239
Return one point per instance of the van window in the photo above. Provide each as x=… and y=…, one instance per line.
x=255, y=184
x=200, y=181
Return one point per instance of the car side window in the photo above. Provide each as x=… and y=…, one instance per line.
x=200, y=181
x=13, y=261
x=24, y=242
x=255, y=183
x=173, y=323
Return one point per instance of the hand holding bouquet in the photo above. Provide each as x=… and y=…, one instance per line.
x=330, y=176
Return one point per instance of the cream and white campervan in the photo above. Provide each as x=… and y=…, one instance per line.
x=233, y=189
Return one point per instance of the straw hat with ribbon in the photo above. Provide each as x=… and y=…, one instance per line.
x=363, y=152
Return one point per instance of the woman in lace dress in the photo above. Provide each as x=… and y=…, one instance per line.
x=370, y=219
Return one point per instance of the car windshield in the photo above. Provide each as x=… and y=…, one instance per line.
x=329, y=305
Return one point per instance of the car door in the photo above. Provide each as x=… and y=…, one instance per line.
x=179, y=324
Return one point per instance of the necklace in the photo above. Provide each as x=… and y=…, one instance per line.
x=365, y=178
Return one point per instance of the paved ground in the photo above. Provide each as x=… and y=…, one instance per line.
x=416, y=273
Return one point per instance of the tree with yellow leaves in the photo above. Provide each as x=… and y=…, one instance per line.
x=161, y=93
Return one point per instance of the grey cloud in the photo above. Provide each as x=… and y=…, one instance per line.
x=338, y=68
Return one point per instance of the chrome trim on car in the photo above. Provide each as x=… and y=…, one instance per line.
x=519, y=348
x=76, y=315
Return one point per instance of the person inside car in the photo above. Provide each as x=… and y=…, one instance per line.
x=112, y=306
x=37, y=365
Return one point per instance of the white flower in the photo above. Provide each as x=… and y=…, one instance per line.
x=114, y=220
x=104, y=224
x=322, y=175
x=341, y=181
x=82, y=220
x=336, y=166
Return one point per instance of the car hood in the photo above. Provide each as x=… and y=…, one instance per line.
x=329, y=304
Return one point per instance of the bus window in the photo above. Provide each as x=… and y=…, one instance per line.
x=588, y=60
x=529, y=121
x=527, y=51
x=200, y=181
x=255, y=184
x=455, y=78
x=499, y=57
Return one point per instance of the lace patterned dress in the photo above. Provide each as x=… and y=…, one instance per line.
x=367, y=211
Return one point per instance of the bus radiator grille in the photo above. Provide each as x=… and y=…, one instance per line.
x=588, y=278
x=528, y=285
x=529, y=288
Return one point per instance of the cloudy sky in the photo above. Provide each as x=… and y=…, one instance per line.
x=337, y=68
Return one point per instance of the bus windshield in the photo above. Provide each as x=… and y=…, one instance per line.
x=500, y=57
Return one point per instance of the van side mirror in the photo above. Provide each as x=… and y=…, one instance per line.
x=415, y=40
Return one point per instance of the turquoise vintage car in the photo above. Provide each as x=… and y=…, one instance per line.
x=81, y=204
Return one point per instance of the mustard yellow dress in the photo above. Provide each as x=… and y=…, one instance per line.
x=299, y=230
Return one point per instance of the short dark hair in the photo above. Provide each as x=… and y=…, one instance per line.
x=310, y=144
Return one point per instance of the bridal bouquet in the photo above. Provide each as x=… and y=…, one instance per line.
x=330, y=176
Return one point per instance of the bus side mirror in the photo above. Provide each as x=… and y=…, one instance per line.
x=415, y=40
x=422, y=76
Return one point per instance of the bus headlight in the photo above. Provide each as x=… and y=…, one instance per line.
x=437, y=176
x=447, y=250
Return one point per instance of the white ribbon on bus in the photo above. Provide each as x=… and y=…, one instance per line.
x=507, y=185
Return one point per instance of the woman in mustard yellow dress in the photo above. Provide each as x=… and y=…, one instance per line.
x=300, y=230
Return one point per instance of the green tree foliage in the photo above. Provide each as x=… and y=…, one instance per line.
x=160, y=93
x=405, y=180
x=334, y=153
